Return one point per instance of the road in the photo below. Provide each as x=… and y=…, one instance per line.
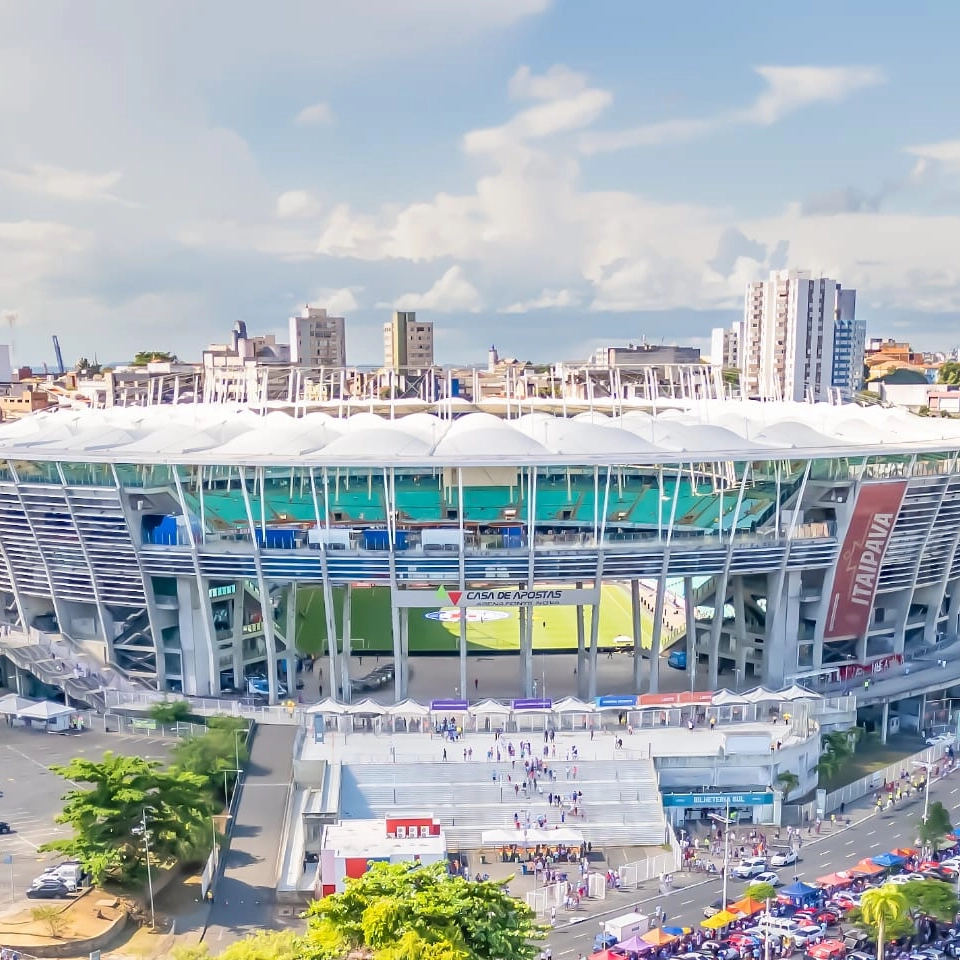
x=245, y=897
x=868, y=836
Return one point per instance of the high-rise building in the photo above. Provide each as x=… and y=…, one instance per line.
x=407, y=342
x=725, y=347
x=318, y=340
x=790, y=335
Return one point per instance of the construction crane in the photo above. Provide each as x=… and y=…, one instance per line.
x=56, y=348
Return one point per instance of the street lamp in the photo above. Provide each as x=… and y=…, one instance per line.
x=146, y=845
x=726, y=849
x=926, y=788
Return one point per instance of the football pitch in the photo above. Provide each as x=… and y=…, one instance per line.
x=436, y=631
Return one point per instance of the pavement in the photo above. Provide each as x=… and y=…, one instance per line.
x=32, y=795
x=245, y=894
x=836, y=848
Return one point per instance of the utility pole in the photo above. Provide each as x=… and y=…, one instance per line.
x=146, y=844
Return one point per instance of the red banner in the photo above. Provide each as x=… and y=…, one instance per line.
x=858, y=569
x=856, y=671
x=674, y=699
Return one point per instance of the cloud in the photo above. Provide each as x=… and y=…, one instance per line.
x=548, y=300
x=559, y=82
x=316, y=115
x=61, y=184
x=844, y=200
x=338, y=302
x=297, y=203
x=452, y=293
x=788, y=89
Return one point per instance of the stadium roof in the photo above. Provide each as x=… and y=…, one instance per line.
x=706, y=431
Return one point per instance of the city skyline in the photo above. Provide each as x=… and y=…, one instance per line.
x=526, y=178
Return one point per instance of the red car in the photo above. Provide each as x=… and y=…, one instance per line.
x=829, y=918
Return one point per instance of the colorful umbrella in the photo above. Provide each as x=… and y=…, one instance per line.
x=747, y=907
x=718, y=920
x=659, y=938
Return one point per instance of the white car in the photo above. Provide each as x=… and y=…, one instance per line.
x=807, y=934
x=750, y=867
x=939, y=738
x=768, y=876
x=784, y=858
x=901, y=878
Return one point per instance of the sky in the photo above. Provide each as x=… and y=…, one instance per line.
x=545, y=175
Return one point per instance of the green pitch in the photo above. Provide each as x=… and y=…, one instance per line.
x=554, y=628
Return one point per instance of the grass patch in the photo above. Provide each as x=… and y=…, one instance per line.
x=554, y=628
x=870, y=756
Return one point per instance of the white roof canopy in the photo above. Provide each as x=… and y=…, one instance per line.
x=46, y=710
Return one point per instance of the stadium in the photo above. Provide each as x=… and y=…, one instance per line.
x=193, y=547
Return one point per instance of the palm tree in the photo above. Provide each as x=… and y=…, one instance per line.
x=881, y=906
x=789, y=781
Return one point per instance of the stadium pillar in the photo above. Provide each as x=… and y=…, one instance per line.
x=526, y=651
x=594, y=639
x=344, y=671
x=637, y=634
x=658, y=626
x=581, y=650
x=884, y=721
x=690, y=610
x=463, y=653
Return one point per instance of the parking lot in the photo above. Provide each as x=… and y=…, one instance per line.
x=31, y=794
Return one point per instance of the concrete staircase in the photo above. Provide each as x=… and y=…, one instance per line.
x=621, y=799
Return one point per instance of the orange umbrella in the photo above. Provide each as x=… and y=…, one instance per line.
x=905, y=852
x=658, y=938
x=867, y=867
x=747, y=906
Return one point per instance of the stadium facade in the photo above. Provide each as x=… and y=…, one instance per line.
x=808, y=541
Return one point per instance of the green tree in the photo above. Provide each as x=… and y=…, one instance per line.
x=884, y=912
x=107, y=819
x=262, y=945
x=931, y=898
x=143, y=357
x=54, y=919
x=835, y=749
x=214, y=753
x=949, y=373
x=761, y=892
x=789, y=781
x=403, y=911
x=936, y=826
x=170, y=711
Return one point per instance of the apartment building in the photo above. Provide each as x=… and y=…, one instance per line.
x=800, y=338
x=317, y=339
x=725, y=347
x=407, y=342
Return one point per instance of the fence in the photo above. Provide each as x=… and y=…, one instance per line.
x=650, y=868
x=889, y=774
x=281, y=714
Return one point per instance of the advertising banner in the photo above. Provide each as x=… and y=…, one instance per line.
x=857, y=671
x=449, y=706
x=858, y=569
x=716, y=799
x=675, y=699
x=529, y=704
x=616, y=701
x=496, y=597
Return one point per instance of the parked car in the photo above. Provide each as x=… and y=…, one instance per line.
x=4, y=827
x=712, y=908
x=721, y=950
x=808, y=934
x=768, y=876
x=750, y=867
x=827, y=950
x=783, y=858
x=939, y=738
x=677, y=659
x=48, y=889
x=901, y=878
x=822, y=916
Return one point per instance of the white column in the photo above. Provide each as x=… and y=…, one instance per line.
x=637, y=634
x=347, y=644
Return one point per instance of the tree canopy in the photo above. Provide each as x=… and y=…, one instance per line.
x=885, y=914
x=214, y=753
x=931, y=898
x=949, y=373
x=107, y=819
x=143, y=357
x=936, y=825
x=405, y=911
x=761, y=891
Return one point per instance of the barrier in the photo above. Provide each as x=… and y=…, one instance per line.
x=650, y=868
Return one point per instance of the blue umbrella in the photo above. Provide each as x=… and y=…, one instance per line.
x=889, y=860
x=798, y=889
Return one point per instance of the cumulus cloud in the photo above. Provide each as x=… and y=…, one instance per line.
x=297, y=203
x=452, y=293
x=338, y=302
x=788, y=89
x=316, y=115
x=548, y=300
x=61, y=184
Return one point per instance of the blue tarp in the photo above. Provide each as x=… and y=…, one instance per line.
x=799, y=891
x=889, y=860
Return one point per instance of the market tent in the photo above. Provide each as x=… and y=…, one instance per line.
x=606, y=955
x=532, y=836
x=494, y=837
x=658, y=938
x=747, y=906
x=367, y=708
x=760, y=695
x=798, y=891
x=865, y=868
x=11, y=704
x=46, y=710
x=487, y=708
x=408, y=708
x=905, y=852
x=887, y=860
x=327, y=706
x=634, y=945
x=796, y=692
x=573, y=705
x=678, y=931
x=727, y=698
x=840, y=879
x=720, y=919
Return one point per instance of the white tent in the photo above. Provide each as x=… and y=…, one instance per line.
x=490, y=708
x=408, y=708
x=761, y=695
x=796, y=692
x=46, y=710
x=327, y=706
x=367, y=708
x=573, y=705
x=532, y=836
x=11, y=704
x=727, y=698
